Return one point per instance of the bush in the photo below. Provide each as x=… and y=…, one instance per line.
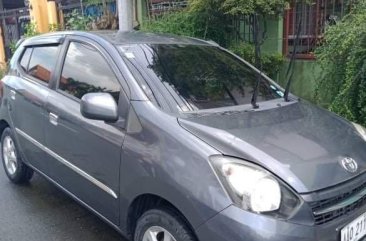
x=212, y=20
x=191, y=23
x=181, y=23
x=30, y=30
x=76, y=21
x=343, y=59
x=3, y=71
x=271, y=63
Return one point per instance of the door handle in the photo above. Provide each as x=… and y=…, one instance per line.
x=12, y=94
x=53, y=119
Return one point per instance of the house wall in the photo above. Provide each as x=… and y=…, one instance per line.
x=306, y=72
x=273, y=41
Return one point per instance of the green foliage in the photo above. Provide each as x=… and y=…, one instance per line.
x=343, y=59
x=2, y=71
x=30, y=30
x=245, y=7
x=212, y=19
x=54, y=27
x=76, y=21
x=13, y=47
x=180, y=23
x=261, y=7
x=271, y=62
x=191, y=23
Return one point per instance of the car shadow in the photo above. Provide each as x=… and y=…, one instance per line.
x=40, y=211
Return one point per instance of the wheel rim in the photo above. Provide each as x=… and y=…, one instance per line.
x=157, y=233
x=9, y=155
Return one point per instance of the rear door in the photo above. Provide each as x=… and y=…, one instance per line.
x=86, y=153
x=27, y=102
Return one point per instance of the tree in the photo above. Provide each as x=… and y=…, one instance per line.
x=343, y=59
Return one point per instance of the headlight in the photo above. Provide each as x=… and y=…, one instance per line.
x=360, y=129
x=254, y=189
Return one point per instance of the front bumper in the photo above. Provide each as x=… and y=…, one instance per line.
x=235, y=224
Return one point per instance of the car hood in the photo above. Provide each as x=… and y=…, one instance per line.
x=300, y=143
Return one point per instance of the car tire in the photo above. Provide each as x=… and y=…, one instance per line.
x=14, y=167
x=162, y=222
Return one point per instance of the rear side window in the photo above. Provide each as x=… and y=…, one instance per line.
x=25, y=59
x=42, y=62
x=86, y=71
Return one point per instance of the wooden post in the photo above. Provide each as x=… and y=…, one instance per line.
x=39, y=14
x=61, y=19
x=3, y=37
x=2, y=50
x=52, y=12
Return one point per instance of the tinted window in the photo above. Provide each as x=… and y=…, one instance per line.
x=86, y=71
x=199, y=77
x=25, y=58
x=42, y=62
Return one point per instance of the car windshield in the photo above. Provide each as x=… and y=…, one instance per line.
x=196, y=77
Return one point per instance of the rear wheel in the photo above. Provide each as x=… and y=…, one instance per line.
x=14, y=167
x=162, y=225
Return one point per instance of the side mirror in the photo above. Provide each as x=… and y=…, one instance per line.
x=99, y=106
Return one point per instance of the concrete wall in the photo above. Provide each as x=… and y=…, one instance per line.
x=306, y=75
x=306, y=72
x=274, y=36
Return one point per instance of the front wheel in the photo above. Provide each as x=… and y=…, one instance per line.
x=14, y=167
x=162, y=225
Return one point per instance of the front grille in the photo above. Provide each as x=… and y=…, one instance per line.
x=330, y=202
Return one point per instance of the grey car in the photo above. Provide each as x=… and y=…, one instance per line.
x=159, y=137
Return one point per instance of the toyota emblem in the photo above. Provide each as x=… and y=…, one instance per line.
x=349, y=164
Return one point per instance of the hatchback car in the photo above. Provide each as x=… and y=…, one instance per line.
x=157, y=135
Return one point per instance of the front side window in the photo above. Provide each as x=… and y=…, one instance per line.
x=42, y=62
x=86, y=71
x=199, y=77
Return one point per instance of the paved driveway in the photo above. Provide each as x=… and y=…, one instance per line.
x=40, y=212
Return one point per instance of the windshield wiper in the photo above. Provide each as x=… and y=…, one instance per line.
x=258, y=62
x=292, y=61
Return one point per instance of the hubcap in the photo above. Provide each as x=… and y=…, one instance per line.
x=157, y=233
x=9, y=155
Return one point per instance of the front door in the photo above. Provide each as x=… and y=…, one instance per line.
x=85, y=153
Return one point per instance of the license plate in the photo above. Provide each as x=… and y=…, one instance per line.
x=355, y=230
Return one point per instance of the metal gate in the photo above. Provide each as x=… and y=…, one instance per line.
x=13, y=24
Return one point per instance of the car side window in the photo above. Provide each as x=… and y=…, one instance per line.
x=24, y=61
x=42, y=62
x=86, y=71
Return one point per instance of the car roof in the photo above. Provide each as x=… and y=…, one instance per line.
x=119, y=38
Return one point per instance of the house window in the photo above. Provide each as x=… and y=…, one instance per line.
x=315, y=18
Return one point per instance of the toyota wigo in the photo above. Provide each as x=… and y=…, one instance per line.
x=176, y=139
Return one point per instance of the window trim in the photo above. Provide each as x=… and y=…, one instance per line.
x=61, y=64
x=22, y=55
x=30, y=77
